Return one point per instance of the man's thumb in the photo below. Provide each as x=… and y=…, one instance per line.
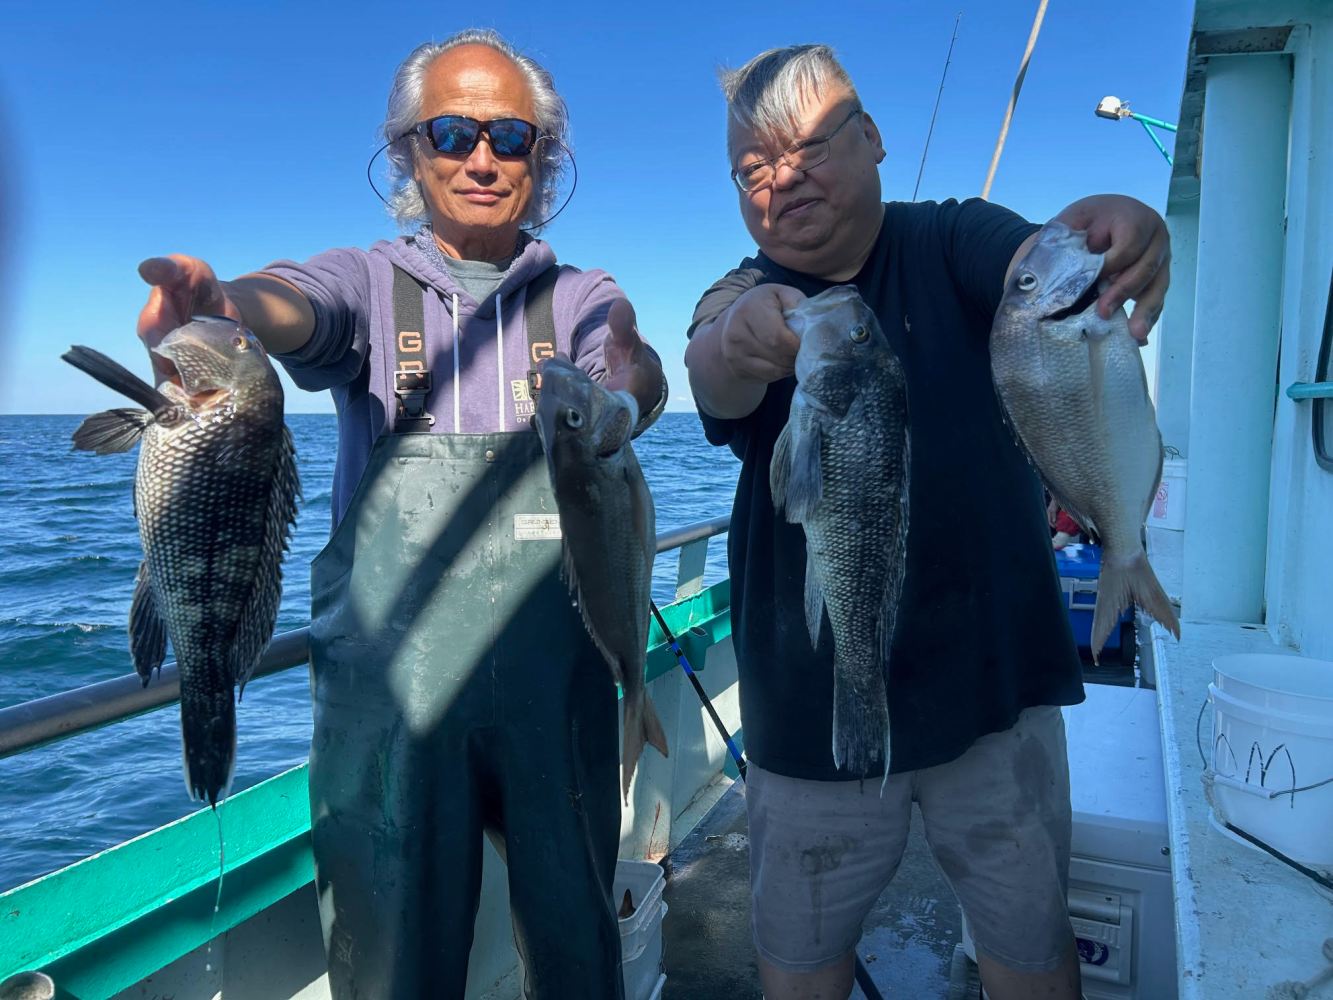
x=622, y=321
x=788, y=297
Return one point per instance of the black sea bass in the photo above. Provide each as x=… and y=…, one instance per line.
x=841, y=469
x=608, y=523
x=215, y=496
x=1074, y=389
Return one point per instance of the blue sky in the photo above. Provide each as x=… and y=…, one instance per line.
x=240, y=132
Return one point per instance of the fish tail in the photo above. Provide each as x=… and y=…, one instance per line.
x=208, y=738
x=860, y=725
x=642, y=726
x=1123, y=582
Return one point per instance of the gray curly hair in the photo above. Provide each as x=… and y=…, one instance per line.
x=406, y=204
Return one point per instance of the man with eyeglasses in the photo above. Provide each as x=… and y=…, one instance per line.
x=455, y=688
x=983, y=656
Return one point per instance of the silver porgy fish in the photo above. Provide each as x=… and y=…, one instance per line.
x=215, y=496
x=610, y=534
x=1073, y=387
x=841, y=470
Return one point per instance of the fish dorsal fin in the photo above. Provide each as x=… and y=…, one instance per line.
x=260, y=612
x=1063, y=501
x=571, y=574
x=148, y=636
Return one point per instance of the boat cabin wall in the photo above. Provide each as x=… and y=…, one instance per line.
x=1245, y=317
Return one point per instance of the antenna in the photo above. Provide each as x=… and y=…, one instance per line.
x=940, y=93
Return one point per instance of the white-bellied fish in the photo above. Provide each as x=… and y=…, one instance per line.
x=609, y=528
x=1075, y=393
x=841, y=470
x=215, y=496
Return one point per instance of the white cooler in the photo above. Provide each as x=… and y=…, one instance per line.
x=1119, y=874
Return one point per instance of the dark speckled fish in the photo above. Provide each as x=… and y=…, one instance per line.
x=610, y=535
x=840, y=469
x=215, y=496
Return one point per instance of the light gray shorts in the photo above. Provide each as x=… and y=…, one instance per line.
x=997, y=820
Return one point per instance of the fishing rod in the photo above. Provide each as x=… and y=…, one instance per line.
x=863, y=979
x=938, y=94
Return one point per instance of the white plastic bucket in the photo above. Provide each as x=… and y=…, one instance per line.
x=1168, y=506
x=1273, y=741
x=641, y=931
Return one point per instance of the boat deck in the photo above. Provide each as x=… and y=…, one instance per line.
x=909, y=936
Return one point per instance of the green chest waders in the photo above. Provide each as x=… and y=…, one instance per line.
x=455, y=689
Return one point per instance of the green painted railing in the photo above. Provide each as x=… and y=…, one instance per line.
x=105, y=923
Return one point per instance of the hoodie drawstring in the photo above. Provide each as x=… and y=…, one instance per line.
x=500, y=361
x=458, y=389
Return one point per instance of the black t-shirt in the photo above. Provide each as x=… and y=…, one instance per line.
x=982, y=628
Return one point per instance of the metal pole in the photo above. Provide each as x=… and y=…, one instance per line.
x=1152, y=121
x=1013, y=98
x=1155, y=141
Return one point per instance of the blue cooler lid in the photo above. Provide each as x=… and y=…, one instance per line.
x=1082, y=562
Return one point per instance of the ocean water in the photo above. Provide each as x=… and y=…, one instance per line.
x=69, y=550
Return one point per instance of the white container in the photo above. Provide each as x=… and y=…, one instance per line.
x=1168, y=506
x=641, y=931
x=1272, y=741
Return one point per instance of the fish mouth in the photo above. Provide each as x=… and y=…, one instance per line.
x=802, y=317
x=1078, y=307
x=199, y=370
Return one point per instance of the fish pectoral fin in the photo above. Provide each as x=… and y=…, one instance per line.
x=260, y=613
x=615, y=425
x=148, y=636
x=112, y=431
x=814, y=601
x=795, y=473
x=833, y=388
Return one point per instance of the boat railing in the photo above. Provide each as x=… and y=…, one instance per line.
x=69, y=713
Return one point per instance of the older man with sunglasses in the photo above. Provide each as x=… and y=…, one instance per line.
x=455, y=688
x=983, y=656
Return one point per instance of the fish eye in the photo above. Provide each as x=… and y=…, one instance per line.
x=860, y=334
x=1027, y=281
x=573, y=419
x=240, y=342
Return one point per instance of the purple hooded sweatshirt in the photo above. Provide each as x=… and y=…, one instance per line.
x=477, y=352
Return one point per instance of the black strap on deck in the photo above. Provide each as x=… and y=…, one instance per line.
x=411, y=376
x=539, y=317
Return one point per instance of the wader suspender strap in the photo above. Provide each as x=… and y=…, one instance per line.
x=539, y=317
x=411, y=378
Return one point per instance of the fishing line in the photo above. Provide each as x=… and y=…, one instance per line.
x=863, y=979
x=217, y=900
x=573, y=184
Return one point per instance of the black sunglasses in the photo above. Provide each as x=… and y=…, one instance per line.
x=460, y=134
